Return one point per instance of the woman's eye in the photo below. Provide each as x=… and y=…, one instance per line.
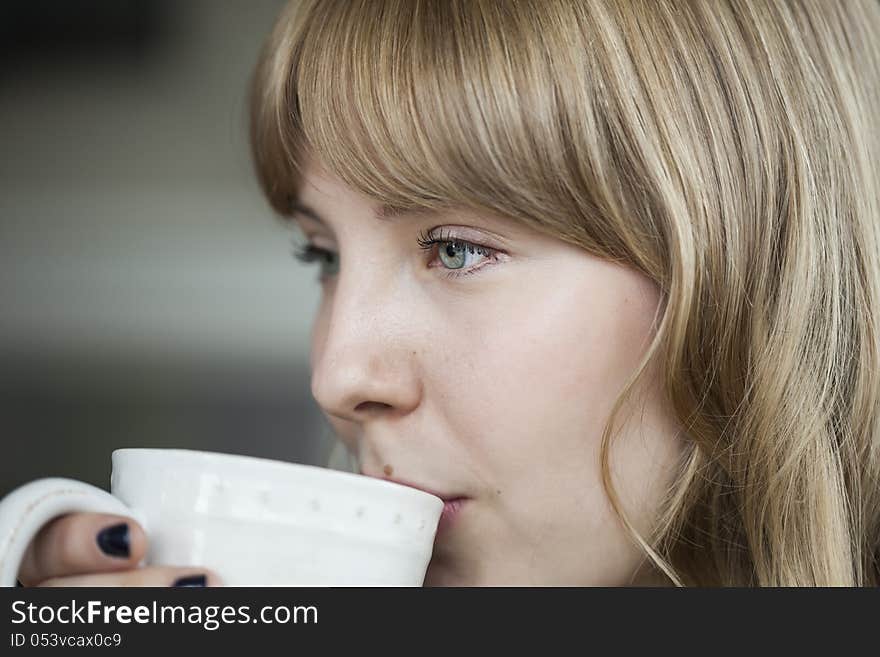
x=457, y=257
x=460, y=256
x=309, y=253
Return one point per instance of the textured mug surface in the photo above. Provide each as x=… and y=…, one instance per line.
x=262, y=522
x=253, y=521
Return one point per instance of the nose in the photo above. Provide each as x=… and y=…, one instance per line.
x=363, y=356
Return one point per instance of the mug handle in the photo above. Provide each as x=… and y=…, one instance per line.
x=25, y=510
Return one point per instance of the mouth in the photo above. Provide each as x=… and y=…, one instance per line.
x=452, y=503
x=451, y=510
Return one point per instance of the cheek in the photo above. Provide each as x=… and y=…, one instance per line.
x=550, y=362
x=562, y=354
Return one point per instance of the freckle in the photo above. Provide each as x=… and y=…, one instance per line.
x=388, y=470
x=498, y=492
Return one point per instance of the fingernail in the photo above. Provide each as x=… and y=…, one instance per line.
x=192, y=580
x=115, y=540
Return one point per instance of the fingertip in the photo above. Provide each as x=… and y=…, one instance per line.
x=121, y=538
x=114, y=540
x=202, y=578
x=213, y=578
x=137, y=538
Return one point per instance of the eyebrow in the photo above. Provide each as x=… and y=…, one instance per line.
x=382, y=213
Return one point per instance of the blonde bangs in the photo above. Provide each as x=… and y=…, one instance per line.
x=436, y=105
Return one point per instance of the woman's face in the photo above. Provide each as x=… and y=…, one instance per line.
x=485, y=375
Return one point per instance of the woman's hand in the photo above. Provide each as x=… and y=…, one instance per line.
x=96, y=549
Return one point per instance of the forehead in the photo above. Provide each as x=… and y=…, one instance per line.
x=318, y=187
x=317, y=184
x=318, y=191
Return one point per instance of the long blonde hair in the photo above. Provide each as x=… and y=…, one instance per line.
x=727, y=150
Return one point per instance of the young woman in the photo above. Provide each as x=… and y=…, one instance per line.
x=603, y=275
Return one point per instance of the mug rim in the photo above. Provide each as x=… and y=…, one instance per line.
x=196, y=456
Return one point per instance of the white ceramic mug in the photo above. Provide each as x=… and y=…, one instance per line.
x=253, y=521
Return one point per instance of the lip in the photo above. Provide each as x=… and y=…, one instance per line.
x=451, y=510
x=452, y=504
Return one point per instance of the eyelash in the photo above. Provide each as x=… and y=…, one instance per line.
x=309, y=253
x=426, y=243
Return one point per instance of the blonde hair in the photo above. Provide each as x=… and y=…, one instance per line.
x=727, y=150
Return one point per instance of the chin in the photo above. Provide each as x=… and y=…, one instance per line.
x=440, y=573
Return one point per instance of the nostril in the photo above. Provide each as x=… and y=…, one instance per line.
x=371, y=406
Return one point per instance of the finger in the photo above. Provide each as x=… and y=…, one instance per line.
x=146, y=576
x=78, y=543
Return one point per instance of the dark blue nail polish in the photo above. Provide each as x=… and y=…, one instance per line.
x=115, y=541
x=192, y=580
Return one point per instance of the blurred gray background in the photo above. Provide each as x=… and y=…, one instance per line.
x=147, y=292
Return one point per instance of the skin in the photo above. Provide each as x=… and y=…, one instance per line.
x=492, y=386
x=65, y=552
